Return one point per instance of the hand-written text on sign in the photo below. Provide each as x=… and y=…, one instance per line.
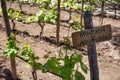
x=90, y=36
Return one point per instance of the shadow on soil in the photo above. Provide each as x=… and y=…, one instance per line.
x=5, y=74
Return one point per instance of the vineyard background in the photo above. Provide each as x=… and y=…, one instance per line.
x=108, y=51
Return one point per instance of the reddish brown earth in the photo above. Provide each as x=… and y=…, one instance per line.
x=108, y=51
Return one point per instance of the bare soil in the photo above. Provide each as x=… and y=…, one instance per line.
x=108, y=51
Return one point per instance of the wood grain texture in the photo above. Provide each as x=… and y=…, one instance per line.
x=89, y=36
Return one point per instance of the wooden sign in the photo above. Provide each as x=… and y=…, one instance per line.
x=89, y=36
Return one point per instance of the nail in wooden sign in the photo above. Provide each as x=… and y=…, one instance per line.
x=89, y=36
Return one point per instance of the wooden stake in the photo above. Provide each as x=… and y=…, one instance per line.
x=92, y=54
x=58, y=22
x=102, y=10
x=82, y=11
x=5, y=15
x=8, y=31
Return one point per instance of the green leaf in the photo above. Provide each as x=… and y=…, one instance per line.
x=83, y=67
x=31, y=58
x=32, y=1
x=30, y=19
x=67, y=48
x=72, y=27
x=66, y=71
x=46, y=3
x=45, y=68
x=12, y=49
x=71, y=21
x=67, y=40
x=53, y=21
x=54, y=65
x=79, y=26
x=66, y=60
x=7, y=52
x=75, y=57
x=78, y=6
x=37, y=66
x=79, y=76
x=118, y=1
x=39, y=16
x=0, y=11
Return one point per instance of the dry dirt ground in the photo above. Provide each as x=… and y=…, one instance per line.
x=108, y=51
